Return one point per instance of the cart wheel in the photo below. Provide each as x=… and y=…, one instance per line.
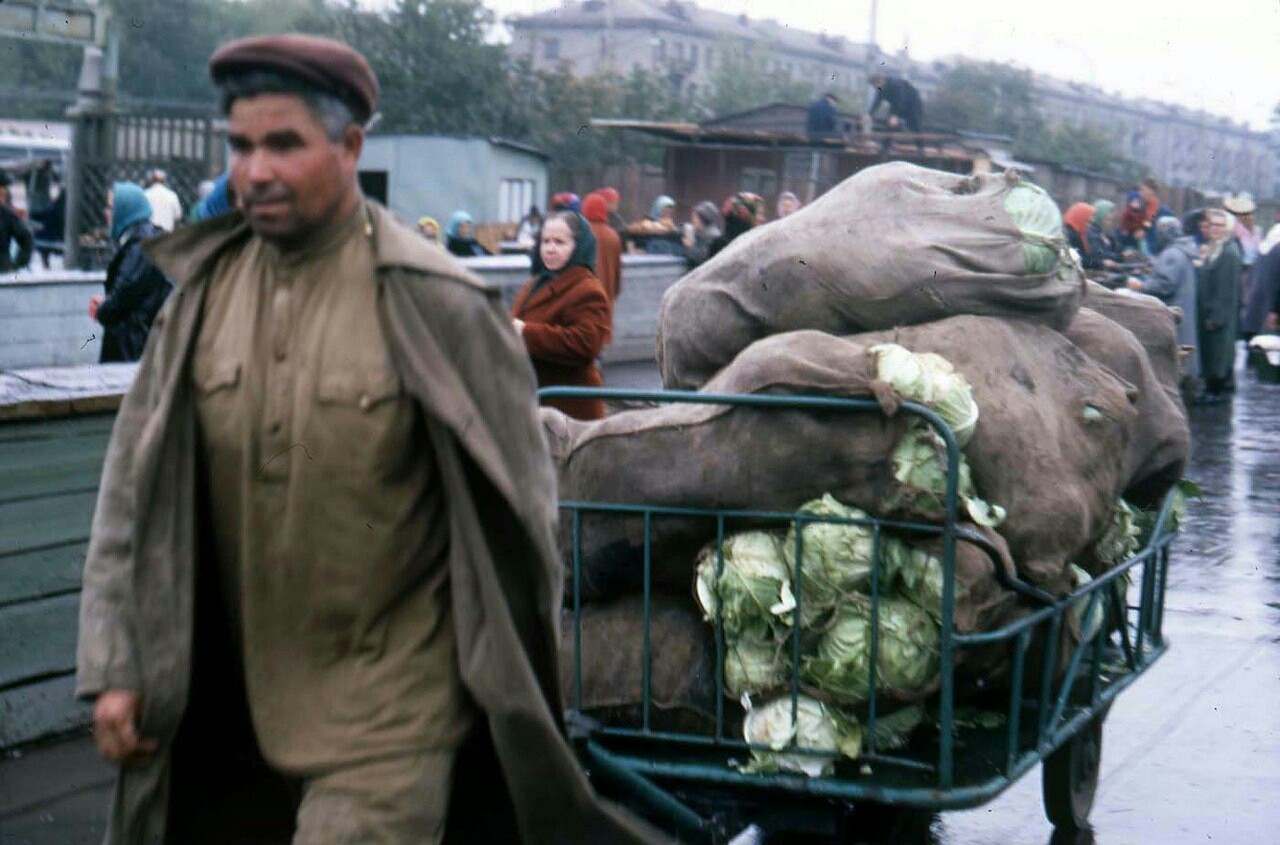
x=1071, y=777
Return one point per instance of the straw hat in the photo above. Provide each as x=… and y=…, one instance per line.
x=1241, y=203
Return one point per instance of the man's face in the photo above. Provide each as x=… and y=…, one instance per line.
x=1146, y=193
x=1218, y=227
x=288, y=177
x=786, y=206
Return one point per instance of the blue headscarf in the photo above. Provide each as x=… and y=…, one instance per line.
x=129, y=206
x=458, y=218
x=583, y=255
x=660, y=205
x=217, y=202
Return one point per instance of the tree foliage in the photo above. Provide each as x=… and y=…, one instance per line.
x=741, y=81
x=990, y=97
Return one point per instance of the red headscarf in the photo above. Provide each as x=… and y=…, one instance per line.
x=1078, y=218
x=594, y=207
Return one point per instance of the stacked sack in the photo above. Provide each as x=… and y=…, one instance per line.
x=902, y=284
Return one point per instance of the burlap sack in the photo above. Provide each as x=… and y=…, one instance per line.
x=1049, y=447
x=682, y=669
x=1153, y=323
x=1158, y=450
x=892, y=245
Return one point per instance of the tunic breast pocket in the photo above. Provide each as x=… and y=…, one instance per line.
x=218, y=395
x=364, y=422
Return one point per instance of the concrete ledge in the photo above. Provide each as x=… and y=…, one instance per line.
x=44, y=316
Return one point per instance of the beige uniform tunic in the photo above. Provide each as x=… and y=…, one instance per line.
x=328, y=527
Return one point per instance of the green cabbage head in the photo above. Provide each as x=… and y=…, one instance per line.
x=920, y=467
x=754, y=666
x=816, y=728
x=908, y=661
x=837, y=559
x=754, y=587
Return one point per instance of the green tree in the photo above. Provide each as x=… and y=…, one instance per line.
x=987, y=97
x=742, y=81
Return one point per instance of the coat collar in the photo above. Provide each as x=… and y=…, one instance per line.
x=555, y=287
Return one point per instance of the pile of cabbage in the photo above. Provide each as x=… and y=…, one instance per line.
x=747, y=583
x=819, y=577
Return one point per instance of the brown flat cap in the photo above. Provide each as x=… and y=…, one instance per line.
x=329, y=65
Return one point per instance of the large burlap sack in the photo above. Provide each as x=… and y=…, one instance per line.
x=892, y=245
x=682, y=670
x=1153, y=323
x=1049, y=447
x=1158, y=451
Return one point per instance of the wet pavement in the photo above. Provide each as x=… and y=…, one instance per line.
x=1191, y=751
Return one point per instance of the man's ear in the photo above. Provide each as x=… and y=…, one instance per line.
x=353, y=140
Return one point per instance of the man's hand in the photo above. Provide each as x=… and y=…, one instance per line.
x=894, y=122
x=94, y=302
x=1272, y=322
x=1133, y=284
x=115, y=728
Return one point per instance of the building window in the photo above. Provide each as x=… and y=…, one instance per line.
x=693, y=55
x=514, y=198
x=758, y=180
x=551, y=49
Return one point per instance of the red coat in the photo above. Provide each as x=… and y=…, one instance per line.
x=567, y=323
x=608, y=259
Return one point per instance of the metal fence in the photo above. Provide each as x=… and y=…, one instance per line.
x=189, y=145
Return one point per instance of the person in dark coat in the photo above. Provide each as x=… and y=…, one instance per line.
x=821, y=121
x=906, y=110
x=1153, y=209
x=563, y=313
x=740, y=212
x=1264, y=287
x=12, y=229
x=704, y=229
x=135, y=289
x=460, y=236
x=1172, y=280
x=1218, y=304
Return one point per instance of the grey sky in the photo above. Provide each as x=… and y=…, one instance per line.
x=1220, y=57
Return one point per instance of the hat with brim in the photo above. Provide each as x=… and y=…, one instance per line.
x=330, y=66
x=1240, y=204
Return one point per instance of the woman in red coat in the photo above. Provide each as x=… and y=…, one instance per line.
x=563, y=312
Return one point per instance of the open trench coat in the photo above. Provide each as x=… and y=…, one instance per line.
x=457, y=356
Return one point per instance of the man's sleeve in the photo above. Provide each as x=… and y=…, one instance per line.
x=106, y=657
x=26, y=241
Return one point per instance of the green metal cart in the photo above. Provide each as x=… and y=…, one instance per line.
x=1049, y=715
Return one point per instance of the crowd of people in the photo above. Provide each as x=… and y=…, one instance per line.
x=1213, y=264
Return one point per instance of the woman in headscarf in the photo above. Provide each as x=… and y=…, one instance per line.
x=658, y=234
x=135, y=289
x=563, y=313
x=703, y=230
x=740, y=212
x=1132, y=231
x=1075, y=225
x=1102, y=249
x=788, y=203
x=566, y=201
x=1218, y=306
x=460, y=237
x=1173, y=281
x=429, y=228
x=608, y=245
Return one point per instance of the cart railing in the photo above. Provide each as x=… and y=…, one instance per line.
x=1036, y=721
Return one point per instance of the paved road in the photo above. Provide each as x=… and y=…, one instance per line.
x=1192, y=751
